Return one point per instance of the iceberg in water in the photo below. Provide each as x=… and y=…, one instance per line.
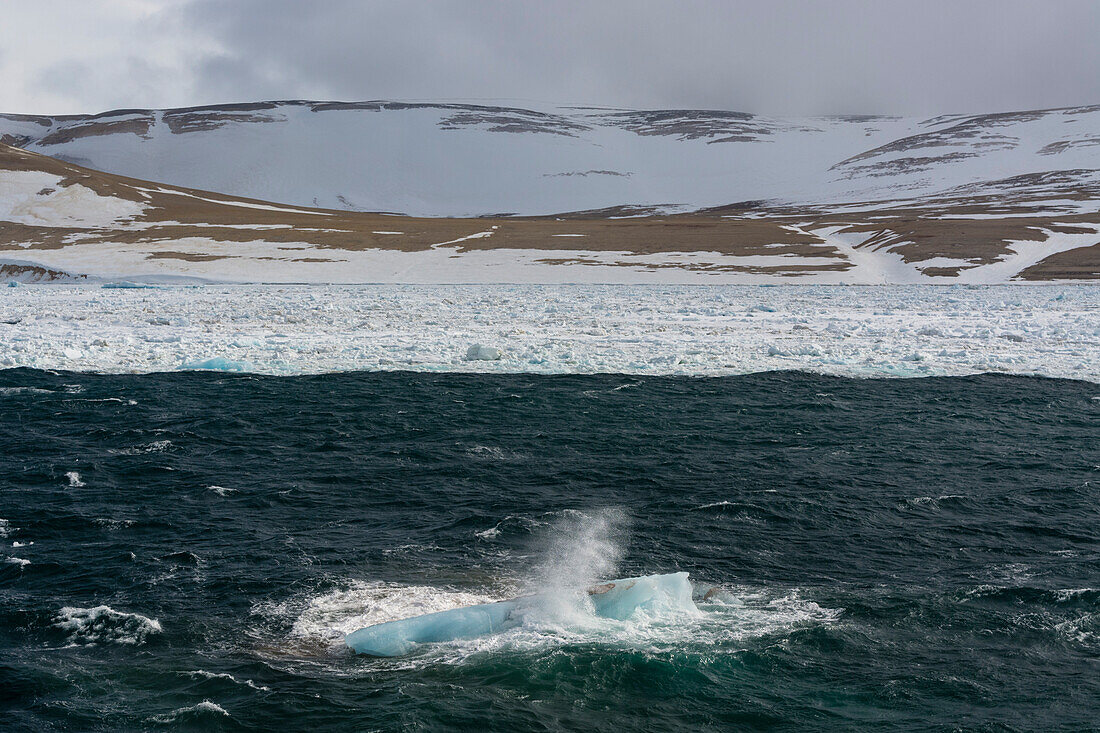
x=218, y=364
x=477, y=352
x=617, y=599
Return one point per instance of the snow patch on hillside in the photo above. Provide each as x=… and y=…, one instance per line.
x=1026, y=254
x=37, y=198
x=259, y=261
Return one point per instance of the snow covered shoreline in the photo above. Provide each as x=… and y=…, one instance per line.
x=922, y=330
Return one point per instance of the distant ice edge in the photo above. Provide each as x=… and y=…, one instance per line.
x=868, y=331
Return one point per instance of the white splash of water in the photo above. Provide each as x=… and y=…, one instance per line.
x=738, y=613
x=203, y=708
x=74, y=479
x=580, y=550
x=364, y=603
x=112, y=523
x=104, y=624
x=4, y=391
x=202, y=674
x=157, y=446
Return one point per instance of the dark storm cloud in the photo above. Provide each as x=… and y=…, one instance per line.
x=783, y=57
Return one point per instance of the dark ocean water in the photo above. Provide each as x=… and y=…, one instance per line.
x=915, y=554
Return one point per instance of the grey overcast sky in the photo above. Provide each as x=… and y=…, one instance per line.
x=765, y=56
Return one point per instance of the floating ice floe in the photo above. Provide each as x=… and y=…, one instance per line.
x=128, y=285
x=618, y=599
x=477, y=352
x=218, y=364
x=1049, y=330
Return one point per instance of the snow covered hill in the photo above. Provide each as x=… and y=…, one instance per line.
x=441, y=159
x=62, y=221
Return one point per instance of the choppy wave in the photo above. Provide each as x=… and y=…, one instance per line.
x=23, y=390
x=204, y=710
x=157, y=446
x=202, y=674
x=105, y=625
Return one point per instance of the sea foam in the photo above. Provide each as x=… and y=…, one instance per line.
x=105, y=625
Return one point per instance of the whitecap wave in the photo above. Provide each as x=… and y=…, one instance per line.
x=105, y=625
x=512, y=523
x=203, y=708
x=117, y=400
x=715, y=505
x=412, y=548
x=202, y=674
x=4, y=391
x=158, y=446
x=487, y=452
x=112, y=523
x=931, y=501
x=1084, y=629
x=1068, y=594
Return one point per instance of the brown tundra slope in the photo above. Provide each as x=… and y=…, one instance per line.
x=60, y=220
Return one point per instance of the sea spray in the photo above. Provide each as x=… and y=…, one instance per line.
x=580, y=550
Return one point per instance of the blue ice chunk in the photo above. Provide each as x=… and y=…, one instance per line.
x=618, y=599
x=395, y=638
x=128, y=285
x=652, y=593
x=219, y=364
